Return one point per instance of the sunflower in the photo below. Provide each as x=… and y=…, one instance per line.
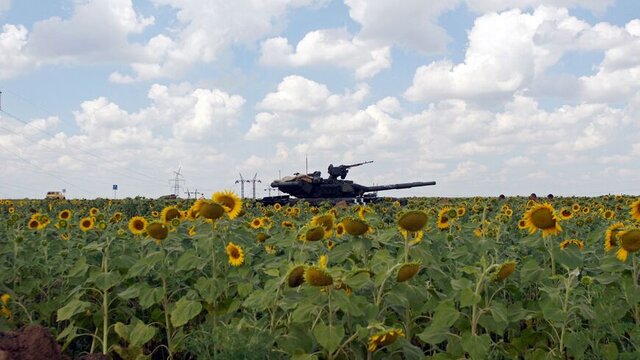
x=407, y=271
x=461, y=211
x=288, y=225
x=610, y=237
x=413, y=221
x=34, y=224
x=314, y=233
x=542, y=217
x=316, y=276
x=508, y=212
x=608, y=214
x=323, y=261
x=355, y=227
x=330, y=245
x=236, y=255
x=158, y=231
x=277, y=207
x=65, y=236
x=116, y=217
x=231, y=203
x=209, y=210
x=326, y=221
x=443, y=218
x=629, y=242
x=295, y=277
x=137, y=225
x=522, y=224
x=506, y=269
x=86, y=224
x=256, y=223
x=575, y=207
x=384, y=338
x=635, y=210
x=566, y=243
x=169, y=213
x=270, y=249
x=64, y=214
x=566, y=214
x=340, y=229
x=155, y=214
x=364, y=211
x=93, y=211
x=586, y=210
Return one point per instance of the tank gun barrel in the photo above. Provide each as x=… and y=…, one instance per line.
x=399, y=186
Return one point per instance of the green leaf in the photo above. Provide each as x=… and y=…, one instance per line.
x=610, y=351
x=105, y=281
x=150, y=297
x=141, y=334
x=499, y=312
x=73, y=307
x=461, y=284
x=208, y=289
x=80, y=267
x=245, y=288
x=184, y=311
x=444, y=317
x=530, y=271
x=468, y=297
x=122, y=330
x=476, y=346
x=188, y=260
x=329, y=337
x=358, y=280
x=131, y=292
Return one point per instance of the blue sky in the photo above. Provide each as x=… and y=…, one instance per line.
x=483, y=96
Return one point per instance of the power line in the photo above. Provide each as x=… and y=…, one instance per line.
x=82, y=150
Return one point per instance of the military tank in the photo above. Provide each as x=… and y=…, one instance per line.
x=315, y=189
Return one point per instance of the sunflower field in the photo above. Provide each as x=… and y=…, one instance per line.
x=223, y=278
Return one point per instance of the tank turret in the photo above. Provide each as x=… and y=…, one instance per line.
x=313, y=187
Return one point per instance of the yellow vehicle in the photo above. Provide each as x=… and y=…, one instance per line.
x=55, y=195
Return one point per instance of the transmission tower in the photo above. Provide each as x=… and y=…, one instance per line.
x=176, y=181
x=254, y=181
x=195, y=194
x=242, y=181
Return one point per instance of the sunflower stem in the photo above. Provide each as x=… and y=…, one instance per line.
x=565, y=310
x=330, y=353
x=549, y=245
x=167, y=322
x=105, y=303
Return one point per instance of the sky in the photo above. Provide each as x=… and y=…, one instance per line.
x=485, y=97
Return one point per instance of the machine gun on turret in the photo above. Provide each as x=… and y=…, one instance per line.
x=341, y=171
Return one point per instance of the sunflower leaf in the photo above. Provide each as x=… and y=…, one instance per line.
x=184, y=311
x=329, y=337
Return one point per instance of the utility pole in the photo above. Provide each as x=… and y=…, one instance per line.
x=195, y=194
x=268, y=190
x=176, y=182
x=254, y=181
x=242, y=181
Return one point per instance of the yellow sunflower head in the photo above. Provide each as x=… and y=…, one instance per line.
x=578, y=243
x=277, y=207
x=64, y=214
x=86, y=224
x=635, y=210
x=235, y=253
x=355, y=227
x=611, y=236
x=157, y=230
x=326, y=221
x=413, y=221
x=383, y=339
x=542, y=217
x=94, y=211
x=566, y=214
x=443, y=218
x=313, y=233
x=231, y=203
x=137, y=225
x=461, y=211
x=608, y=214
x=169, y=213
x=407, y=271
x=256, y=223
x=295, y=277
x=629, y=241
x=316, y=276
x=506, y=269
x=288, y=225
x=340, y=229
